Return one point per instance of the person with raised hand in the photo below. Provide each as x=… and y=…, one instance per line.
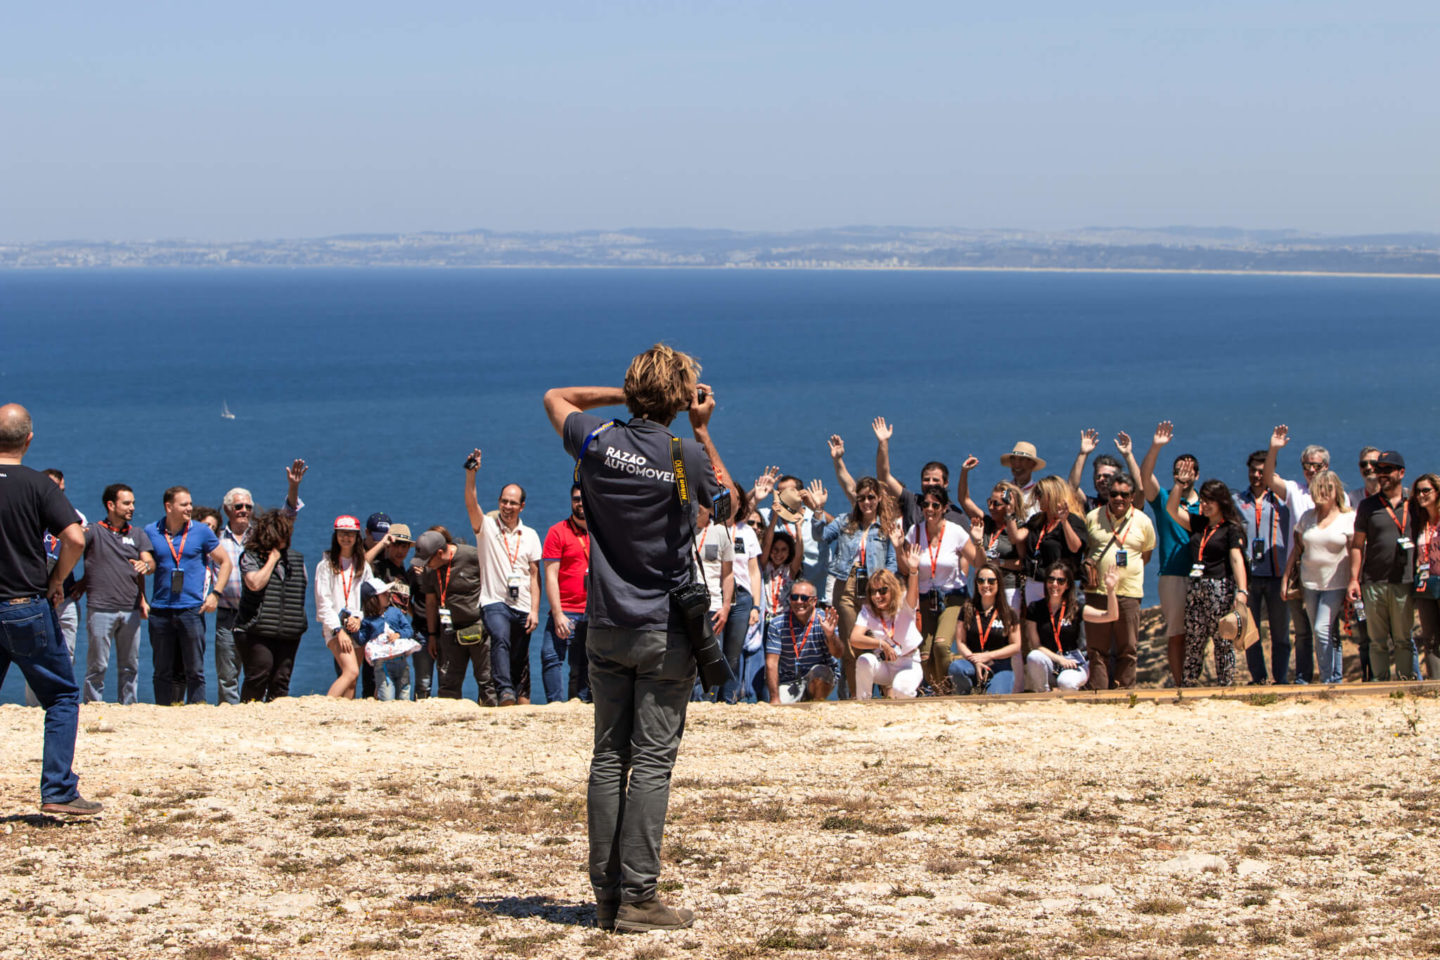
x=996, y=533
x=1217, y=578
x=1298, y=500
x=946, y=551
x=987, y=638
x=888, y=630
x=1059, y=656
x=933, y=476
x=801, y=513
x=836, y=446
x=1106, y=466
x=1173, y=540
x=860, y=547
x=801, y=649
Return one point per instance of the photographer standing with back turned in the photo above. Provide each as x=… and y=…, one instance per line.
x=641, y=663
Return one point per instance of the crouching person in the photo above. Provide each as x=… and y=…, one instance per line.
x=888, y=630
x=801, y=649
x=388, y=639
x=1055, y=627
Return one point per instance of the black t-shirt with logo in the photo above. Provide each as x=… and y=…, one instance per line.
x=1216, y=559
x=110, y=581
x=31, y=505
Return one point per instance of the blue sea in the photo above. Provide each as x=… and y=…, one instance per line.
x=383, y=380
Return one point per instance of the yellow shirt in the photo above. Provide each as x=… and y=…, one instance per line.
x=1137, y=535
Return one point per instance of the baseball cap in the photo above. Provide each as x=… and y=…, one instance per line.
x=378, y=524
x=1391, y=457
x=372, y=588
x=400, y=533
x=347, y=522
x=428, y=545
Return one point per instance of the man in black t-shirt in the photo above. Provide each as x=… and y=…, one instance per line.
x=641, y=664
x=30, y=507
x=1382, y=570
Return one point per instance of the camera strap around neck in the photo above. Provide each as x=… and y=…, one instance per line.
x=682, y=488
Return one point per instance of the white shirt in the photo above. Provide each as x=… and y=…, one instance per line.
x=715, y=549
x=907, y=632
x=946, y=554
x=1298, y=499
x=746, y=545
x=338, y=590
x=1325, y=562
x=505, y=559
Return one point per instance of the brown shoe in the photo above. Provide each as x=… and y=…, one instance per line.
x=79, y=807
x=523, y=701
x=652, y=915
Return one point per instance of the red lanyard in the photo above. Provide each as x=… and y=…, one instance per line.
x=776, y=582
x=1055, y=627
x=864, y=537
x=512, y=554
x=126, y=530
x=444, y=587
x=1405, y=512
x=171, y=543
x=703, y=534
x=800, y=647
x=989, y=625
x=1045, y=532
x=932, y=546
x=995, y=539
x=345, y=581
x=889, y=627
x=1200, y=555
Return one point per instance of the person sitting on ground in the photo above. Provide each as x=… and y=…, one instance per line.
x=986, y=656
x=1217, y=577
x=802, y=649
x=1057, y=635
x=888, y=628
x=388, y=639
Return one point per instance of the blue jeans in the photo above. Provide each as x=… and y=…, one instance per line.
x=1265, y=592
x=1304, y=638
x=1323, y=608
x=736, y=626
x=69, y=617
x=752, y=677
x=227, y=658
x=555, y=650
x=124, y=629
x=392, y=679
x=509, y=649
x=30, y=638
x=182, y=633
x=963, y=676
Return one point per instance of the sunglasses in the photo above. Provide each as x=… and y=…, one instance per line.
x=1368, y=463
x=1385, y=469
x=801, y=598
x=932, y=505
x=237, y=507
x=1118, y=495
x=1420, y=490
x=1311, y=465
x=995, y=504
x=979, y=580
x=1056, y=580
x=879, y=591
x=866, y=498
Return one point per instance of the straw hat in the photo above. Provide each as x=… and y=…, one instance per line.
x=789, y=505
x=1023, y=449
x=1239, y=628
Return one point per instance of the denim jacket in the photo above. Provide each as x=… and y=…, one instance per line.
x=879, y=551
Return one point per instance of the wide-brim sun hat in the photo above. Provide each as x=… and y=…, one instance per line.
x=1023, y=449
x=788, y=506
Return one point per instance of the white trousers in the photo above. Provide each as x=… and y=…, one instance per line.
x=902, y=676
x=1040, y=670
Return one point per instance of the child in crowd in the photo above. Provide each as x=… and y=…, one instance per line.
x=388, y=639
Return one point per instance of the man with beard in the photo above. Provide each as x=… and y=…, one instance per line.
x=567, y=563
x=1121, y=538
x=1382, y=570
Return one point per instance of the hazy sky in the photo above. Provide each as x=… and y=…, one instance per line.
x=237, y=121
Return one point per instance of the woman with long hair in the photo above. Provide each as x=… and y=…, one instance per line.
x=1425, y=491
x=862, y=544
x=271, y=618
x=1056, y=634
x=338, y=576
x=987, y=633
x=745, y=607
x=1218, y=578
x=946, y=552
x=1319, y=568
x=996, y=531
x=1056, y=534
x=888, y=630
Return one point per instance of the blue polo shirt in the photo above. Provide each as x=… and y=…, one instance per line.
x=1172, y=540
x=194, y=545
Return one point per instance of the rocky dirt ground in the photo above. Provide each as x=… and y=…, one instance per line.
x=943, y=828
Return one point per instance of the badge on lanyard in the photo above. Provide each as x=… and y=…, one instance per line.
x=1122, y=558
x=1257, y=548
x=1197, y=571
x=1405, y=543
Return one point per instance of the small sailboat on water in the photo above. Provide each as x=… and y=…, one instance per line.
x=225, y=413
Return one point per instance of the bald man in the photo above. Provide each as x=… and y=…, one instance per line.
x=31, y=505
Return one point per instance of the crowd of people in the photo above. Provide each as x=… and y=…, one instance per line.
x=906, y=590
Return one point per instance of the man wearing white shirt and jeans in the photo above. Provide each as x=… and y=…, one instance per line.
x=509, y=584
x=1313, y=459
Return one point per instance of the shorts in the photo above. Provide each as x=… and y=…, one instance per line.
x=1172, y=603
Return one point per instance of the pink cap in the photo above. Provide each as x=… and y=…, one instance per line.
x=347, y=522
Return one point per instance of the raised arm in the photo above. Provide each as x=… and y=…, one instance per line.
x=700, y=426
x=962, y=490
x=1111, y=612
x=842, y=475
x=883, y=433
x=1089, y=439
x=1269, y=479
x=560, y=402
x=1178, y=512
x=1164, y=432
x=472, y=502
x=912, y=575
x=1126, y=450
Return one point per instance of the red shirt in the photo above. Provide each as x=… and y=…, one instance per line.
x=571, y=550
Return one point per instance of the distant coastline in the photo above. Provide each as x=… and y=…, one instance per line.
x=1174, y=250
